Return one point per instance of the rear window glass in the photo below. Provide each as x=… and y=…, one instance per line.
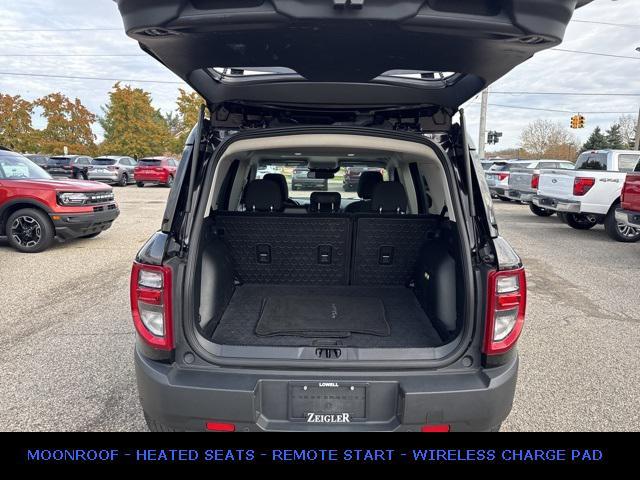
x=59, y=160
x=627, y=162
x=103, y=161
x=146, y=162
x=591, y=161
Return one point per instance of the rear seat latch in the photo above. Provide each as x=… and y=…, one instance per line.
x=385, y=255
x=324, y=254
x=263, y=253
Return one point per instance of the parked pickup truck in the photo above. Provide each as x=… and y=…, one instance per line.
x=591, y=193
x=629, y=213
x=523, y=183
x=498, y=176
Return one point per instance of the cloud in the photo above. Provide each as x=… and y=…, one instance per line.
x=547, y=71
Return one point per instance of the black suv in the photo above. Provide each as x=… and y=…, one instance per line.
x=258, y=312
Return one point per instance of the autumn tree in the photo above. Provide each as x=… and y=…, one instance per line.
x=188, y=110
x=596, y=140
x=548, y=139
x=132, y=126
x=68, y=124
x=16, y=131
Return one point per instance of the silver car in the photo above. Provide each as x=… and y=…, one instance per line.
x=113, y=169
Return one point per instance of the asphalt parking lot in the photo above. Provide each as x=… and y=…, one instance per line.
x=68, y=339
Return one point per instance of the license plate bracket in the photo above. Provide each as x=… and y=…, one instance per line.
x=327, y=402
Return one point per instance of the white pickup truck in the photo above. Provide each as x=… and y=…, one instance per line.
x=590, y=194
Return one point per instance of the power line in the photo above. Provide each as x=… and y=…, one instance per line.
x=629, y=25
x=77, y=77
x=587, y=94
x=32, y=30
x=72, y=55
x=520, y=107
x=595, y=53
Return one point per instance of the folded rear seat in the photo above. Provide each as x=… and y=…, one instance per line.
x=388, y=241
x=269, y=246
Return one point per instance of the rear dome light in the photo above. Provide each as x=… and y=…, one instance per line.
x=506, y=304
x=581, y=185
x=535, y=181
x=151, y=305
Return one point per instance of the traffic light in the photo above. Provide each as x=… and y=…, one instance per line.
x=577, y=121
x=493, y=137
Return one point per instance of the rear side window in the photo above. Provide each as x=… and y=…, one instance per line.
x=103, y=161
x=628, y=162
x=149, y=163
x=592, y=161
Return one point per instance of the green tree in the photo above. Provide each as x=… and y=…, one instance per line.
x=68, y=124
x=16, y=131
x=131, y=125
x=614, y=138
x=596, y=140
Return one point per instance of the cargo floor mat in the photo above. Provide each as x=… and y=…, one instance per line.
x=322, y=316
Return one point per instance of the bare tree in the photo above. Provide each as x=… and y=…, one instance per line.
x=628, y=124
x=547, y=139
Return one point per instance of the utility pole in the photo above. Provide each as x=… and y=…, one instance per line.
x=637, y=143
x=483, y=123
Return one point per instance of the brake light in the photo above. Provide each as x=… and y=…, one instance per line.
x=507, y=298
x=535, y=181
x=435, y=428
x=502, y=176
x=151, y=304
x=581, y=185
x=112, y=168
x=220, y=427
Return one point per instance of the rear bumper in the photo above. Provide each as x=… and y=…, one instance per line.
x=256, y=400
x=519, y=196
x=104, y=177
x=556, y=204
x=70, y=226
x=151, y=177
x=628, y=217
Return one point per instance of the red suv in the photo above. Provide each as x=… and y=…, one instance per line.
x=158, y=170
x=35, y=208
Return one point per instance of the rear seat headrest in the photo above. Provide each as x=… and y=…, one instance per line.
x=325, y=202
x=281, y=181
x=367, y=182
x=389, y=197
x=262, y=196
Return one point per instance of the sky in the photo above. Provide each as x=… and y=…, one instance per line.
x=21, y=33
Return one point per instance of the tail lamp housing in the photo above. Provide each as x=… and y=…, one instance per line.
x=151, y=305
x=503, y=176
x=535, y=181
x=507, y=298
x=581, y=185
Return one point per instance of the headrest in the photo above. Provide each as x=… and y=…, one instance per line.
x=262, y=196
x=367, y=181
x=389, y=197
x=281, y=181
x=325, y=202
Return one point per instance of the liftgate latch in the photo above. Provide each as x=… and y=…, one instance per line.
x=354, y=4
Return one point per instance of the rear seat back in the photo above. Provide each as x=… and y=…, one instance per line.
x=280, y=248
x=325, y=248
x=387, y=247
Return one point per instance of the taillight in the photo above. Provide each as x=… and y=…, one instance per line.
x=151, y=304
x=535, y=181
x=502, y=176
x=507, y=298
x=112, y=168
x=582, y=185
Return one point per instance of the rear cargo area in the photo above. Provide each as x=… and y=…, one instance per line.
x=379, y=271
